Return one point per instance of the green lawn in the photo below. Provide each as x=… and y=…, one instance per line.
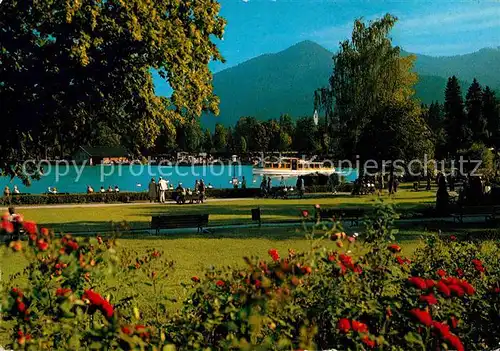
x=221, y=212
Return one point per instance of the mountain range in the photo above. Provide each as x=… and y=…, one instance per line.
x=272, y=84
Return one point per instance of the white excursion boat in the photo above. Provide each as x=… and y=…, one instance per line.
x=292, y=167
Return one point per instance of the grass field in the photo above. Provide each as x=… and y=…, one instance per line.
x=88, y=218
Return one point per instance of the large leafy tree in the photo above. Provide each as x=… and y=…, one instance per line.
x=306, y=136
x=371, y=78
x=68, y=67
x=456, y=124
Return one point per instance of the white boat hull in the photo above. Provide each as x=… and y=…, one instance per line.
x=290, y=173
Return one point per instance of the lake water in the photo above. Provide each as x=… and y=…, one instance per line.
x=74, y=179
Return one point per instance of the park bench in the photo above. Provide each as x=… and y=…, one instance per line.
x=198, y=221
x=490, y=213
x=351, y=214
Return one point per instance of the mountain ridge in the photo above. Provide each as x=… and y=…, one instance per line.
x=284, y=82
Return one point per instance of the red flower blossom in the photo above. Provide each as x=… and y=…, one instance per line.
x=454, y=322
x=155, y=254
x=453, y=238
x=258, y=283
x=394, y=248
x=331, y=258
x=460, y=272
x=42, y=245
x=73, y=245
x=17, y=291
x=418, y=282
x=451, y=281
x=443, y=288
x=457, y=290
x=346, y=260
x=496, y=290
x=358, y=270
x=443, y=329
x=100, y=302
x=368, y=342
x=423, y=317
x=441, y=273
x=469, y=289
x=127, y=330
x=63, y=291
x=454, y=341
x=220, y=283
x=195, y=279
x=388, y=312
x=359, y=327
x=430, y=283
x=7, y=226
x=478, y=265
x=305, y=213
x=21, y=306
x=30, y=227
x=429, y=299
x=274, y=254
x=44, y=231
x=344, y=325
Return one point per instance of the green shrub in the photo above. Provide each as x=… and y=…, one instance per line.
x=364, y=295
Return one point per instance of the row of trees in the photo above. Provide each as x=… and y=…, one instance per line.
x=248, y=135
x=457, y=124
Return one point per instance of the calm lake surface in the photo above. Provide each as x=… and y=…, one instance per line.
x=74, y=179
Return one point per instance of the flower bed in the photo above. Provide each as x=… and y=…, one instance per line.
x=364, y=295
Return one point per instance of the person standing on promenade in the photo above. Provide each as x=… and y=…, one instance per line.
x=163, y=186
x=152, y=190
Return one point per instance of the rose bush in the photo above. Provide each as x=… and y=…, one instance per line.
x=364, y=295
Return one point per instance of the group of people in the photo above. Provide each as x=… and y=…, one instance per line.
x=7, y=192
x=266, y=187
x=157, y=191
x=116, y=189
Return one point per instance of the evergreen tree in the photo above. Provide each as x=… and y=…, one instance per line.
x=473, y=104
x=491, y=114
x=207, y=141
x=435, y=119
x=220, y=138
x=456, y=125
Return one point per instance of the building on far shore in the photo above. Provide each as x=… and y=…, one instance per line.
x=101, y=155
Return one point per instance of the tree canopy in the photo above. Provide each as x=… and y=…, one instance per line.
x=69, y=67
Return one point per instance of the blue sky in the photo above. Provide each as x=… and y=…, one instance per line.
x=434, y=28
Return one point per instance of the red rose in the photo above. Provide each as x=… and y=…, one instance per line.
x=394, y=248
x=453, y=238
x=429, y=299
x=7, y=226
x=430, y=283
x=127, y=330
x=443, y=329
x=358, y=270
x=274, y=254
x=344, y=325
x=418, y=282
x=195, y=279
x=443, y=288
x=63, y=291
x=220, y=283
x=441, y=273
x=30, y=227
x=73, y=245
x=460, y=272
x=100, y=302
x=454, y=322
x=17, y=291
x=359, y=327
x=457, y=290
x=400, y=260
x=21, y=306
x=331, y=258
x=469, y=289
x=423, y=317
x=42, y=245
x=451, y=281
x=44, y=231
x=368, y=342
x=305, y=213
x=258, y=284
x=454, y=341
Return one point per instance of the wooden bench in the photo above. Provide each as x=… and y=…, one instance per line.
x=179, y=221
x=351, y=214
x=490, y=213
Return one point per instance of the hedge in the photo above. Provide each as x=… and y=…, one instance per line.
x=124, y=197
